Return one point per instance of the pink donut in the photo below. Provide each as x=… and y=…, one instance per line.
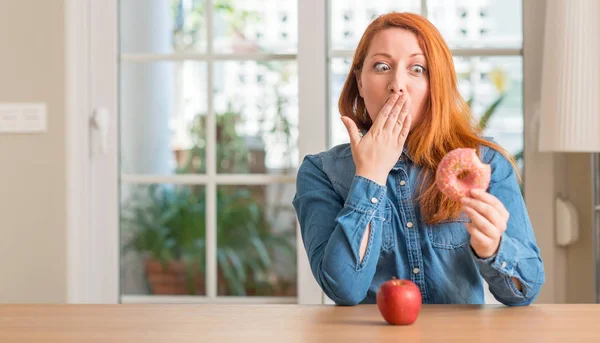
x=460, y=171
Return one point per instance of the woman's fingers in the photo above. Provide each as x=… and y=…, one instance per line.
x=488, y=210
x=392, y=120
x=492, y=200
x=477, y=235
x=482, y=223
x=384, y=113
x=401, y=120
x=405, y=129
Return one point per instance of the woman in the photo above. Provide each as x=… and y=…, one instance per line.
x=370, y=211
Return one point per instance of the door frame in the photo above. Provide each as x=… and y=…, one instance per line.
x=77, y=99
x=92, y=229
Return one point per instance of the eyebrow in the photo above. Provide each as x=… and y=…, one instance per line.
x=390, y=56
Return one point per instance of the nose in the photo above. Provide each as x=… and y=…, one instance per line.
x=398, y=83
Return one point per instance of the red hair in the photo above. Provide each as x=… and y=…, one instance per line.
x=446, y=122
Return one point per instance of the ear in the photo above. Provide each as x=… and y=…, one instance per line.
x=358, y=82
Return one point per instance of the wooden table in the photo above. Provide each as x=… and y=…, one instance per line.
x=294, y=323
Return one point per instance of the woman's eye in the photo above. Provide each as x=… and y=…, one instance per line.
x=381, y=67
x=418, y=69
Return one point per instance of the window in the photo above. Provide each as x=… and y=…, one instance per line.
x=208, y=106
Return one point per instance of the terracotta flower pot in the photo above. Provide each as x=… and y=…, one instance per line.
x=172, y=279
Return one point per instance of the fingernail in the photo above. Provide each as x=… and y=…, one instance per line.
x=464, y=200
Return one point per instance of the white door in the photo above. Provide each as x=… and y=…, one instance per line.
x=198, y=141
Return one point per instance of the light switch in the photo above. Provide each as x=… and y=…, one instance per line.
x=9, y=118
x=23, y=118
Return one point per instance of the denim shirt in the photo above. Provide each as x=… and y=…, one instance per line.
x=334, y=206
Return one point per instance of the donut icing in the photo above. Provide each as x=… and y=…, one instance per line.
x=460, y=171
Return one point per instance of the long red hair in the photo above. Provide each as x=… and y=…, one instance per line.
x=446, y=122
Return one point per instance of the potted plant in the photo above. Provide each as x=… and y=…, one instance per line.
x=169, y=225
x=168, y=232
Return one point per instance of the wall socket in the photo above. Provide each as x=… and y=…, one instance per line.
x=23, y=118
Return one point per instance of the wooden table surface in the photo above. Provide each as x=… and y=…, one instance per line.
x=294, y=323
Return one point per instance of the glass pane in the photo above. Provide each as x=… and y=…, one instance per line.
x=350, y=18
x=163, y=239
x=476, y=24
x=162, y=26
x=257, y=117
x=256, y=238
x=267, y=26
x=495, y=87
x=162, y=105
x=339, y=69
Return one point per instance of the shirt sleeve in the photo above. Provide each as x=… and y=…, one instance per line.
x=518, y=255
x=332, y=229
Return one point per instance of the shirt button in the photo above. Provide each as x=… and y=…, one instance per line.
x=416, y=271
x=402, y=183
x=374, y=200
x=409, y=224
x=503, y=264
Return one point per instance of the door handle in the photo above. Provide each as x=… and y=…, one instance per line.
x=100, y=121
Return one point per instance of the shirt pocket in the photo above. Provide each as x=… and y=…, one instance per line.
x=387, y=241
x=450, y=234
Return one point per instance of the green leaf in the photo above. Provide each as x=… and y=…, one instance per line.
x=489, y=112
x=189, y=279
x=262, y=251
x=283, y=244
x=234, y=285
x=237, y=264
x=257, y=270
x=519, y=156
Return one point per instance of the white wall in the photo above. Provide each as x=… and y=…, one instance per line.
x=32, y=176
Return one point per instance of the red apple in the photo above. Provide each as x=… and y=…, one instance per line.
x=399, y=301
